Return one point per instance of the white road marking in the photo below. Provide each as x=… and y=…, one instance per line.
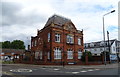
x=56, y=69
x=21, y=70
x=97, y=69
x=43, y=68
x=83, y=71
x=90, y=70
x=67, y=72
x=75, y=72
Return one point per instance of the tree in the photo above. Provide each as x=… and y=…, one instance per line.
x=6, y=44
x=0, y=44
x=90, y=58
x=17, y=44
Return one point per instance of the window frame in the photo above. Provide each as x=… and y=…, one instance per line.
x=79, y=41
x=57, y=53
x=57, y=37
x=48, y=55
x=79, y=54
x=35, y=43
x=48, y=37
x=70, y=39
x=69, y=54
x=41, y=55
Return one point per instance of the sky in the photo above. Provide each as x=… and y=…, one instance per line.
x=20, y=19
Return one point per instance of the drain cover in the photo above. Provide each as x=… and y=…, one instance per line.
x=21, y=70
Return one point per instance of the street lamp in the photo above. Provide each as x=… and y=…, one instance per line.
x=104, y=34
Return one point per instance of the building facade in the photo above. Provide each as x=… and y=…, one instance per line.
x=10, y=54
x=96, y=48
x=59, y=41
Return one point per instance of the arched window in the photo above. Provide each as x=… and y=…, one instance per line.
x=69, y=54
x=57, y=53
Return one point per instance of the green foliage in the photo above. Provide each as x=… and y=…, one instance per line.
x=6, y=44
x=90, y=58
x=0, y=44
x=7, y=62
x=16, y=44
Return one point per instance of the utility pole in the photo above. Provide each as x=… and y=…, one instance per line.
x=108, y=46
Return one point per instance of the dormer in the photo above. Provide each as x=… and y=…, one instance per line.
x=91, y=44
x=101, y=43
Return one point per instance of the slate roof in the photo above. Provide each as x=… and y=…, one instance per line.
x=56, y=19
x=97, y=44
x=16, y=51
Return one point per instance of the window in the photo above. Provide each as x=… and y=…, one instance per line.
x=91, y=45
x=86, y=45
x=36, y=55
x=48, y=55
x=32, y=44
x=95, y=49
x=113, y=48
x=70, y=39
x=79, y=54
x=101, y=49
x=57, y=53
x=12, y=53
x=107, y=48
x=48, y=37
x=69, y=54
x=57, y=37
x=17, y=57
x=39, y=40
x=35, y=43
x=41, y=55
x=2, y=53
x=79, y=41
x=102, y=43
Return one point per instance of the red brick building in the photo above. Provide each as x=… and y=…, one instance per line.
x=59, y=41
x=10, y=54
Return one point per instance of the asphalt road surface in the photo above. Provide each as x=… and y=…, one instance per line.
x=30, y=71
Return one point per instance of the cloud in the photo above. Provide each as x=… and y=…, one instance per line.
x=21, y=19
x=12, y=13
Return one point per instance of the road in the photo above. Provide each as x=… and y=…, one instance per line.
x=28, y=70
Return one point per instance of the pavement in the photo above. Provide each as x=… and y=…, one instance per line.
x=113, y=65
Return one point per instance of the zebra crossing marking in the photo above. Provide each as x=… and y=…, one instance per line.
x=75, y=72
x=83, y=71
x=90, y=70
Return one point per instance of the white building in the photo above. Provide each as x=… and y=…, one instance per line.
x=97, y=47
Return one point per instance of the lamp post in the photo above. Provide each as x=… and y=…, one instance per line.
x=104, y=35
